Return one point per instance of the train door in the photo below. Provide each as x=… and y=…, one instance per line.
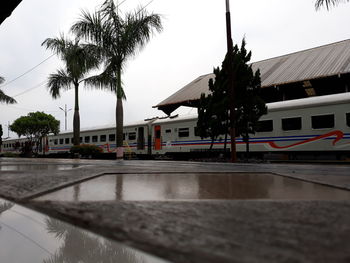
x=141, y=138
x=157, y=138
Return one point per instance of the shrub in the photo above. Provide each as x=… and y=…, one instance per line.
x=10, y=154
x=86, y=150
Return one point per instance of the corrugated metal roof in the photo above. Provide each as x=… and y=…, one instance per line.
x=191, y=91
x=324, y=61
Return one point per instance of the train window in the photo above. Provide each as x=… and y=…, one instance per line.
x=124, y=136
x=265, y=126
x=94, y=138
x=81, y=139
x=111, y=137
x=168, y=131
x=66, y=141
x=103, y=138
x=72, y=140
x=290, y=124
x=184, y=132
x=61, y=141
x=55, y=141
x=322, y=121
x=132, y=136
x=348, y=119
x=87, y=139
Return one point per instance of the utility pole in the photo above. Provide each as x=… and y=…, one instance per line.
x=8, y=129
x=65, y=115
x=231, y=83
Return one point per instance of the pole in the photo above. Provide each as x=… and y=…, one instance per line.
x=65, y=115
x=231, y=82
x=8, y=129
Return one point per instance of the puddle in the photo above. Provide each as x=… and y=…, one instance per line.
x=195, y=187
x=37, y=167
x=30, y=237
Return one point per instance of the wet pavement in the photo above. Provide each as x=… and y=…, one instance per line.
x=37, y=167
x=27, y=236
x=192, y=212
x=192, y=186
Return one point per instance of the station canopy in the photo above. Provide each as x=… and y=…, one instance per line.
x=318, y=71
x=6, y=8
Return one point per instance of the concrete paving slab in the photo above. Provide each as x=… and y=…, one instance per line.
x=200, y=231
x=27, y=236
x=220, y=231
x=194, y=186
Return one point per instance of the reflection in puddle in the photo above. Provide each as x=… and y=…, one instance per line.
x=195, y=186
x=37, y=167
x=30, y=237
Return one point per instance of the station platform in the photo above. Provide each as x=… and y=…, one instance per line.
x=193, y=211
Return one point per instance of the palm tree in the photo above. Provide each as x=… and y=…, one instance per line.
x=4, y=97
x=328, y=3
x=79, y=59
x=120, y=38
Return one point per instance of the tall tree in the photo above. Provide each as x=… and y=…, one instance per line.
x=79, y=59
x=213, y=111
x=4, y=97
x=249, y=105
x=328, y=3
x=120, y=38
x=35, y=126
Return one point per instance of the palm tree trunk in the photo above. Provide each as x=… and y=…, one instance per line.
x=76, y=118
x=119, y=118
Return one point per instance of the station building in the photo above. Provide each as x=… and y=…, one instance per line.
x=317, y=71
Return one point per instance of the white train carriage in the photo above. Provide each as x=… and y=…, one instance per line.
x=318, y=124
x=308, y=127
x=136, y=137
x=11, y=145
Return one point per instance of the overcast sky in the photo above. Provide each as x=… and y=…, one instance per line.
x=192, y=43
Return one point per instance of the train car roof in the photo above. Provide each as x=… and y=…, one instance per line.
x=340, y=98
x=107, y=127
x=13, y=139
x=176, y=118
x=333, y=99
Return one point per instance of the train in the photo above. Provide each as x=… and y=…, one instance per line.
x=308, y=128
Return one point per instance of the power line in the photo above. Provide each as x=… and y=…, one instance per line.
x=23, y=74
x=30, y=89
x=150, y=2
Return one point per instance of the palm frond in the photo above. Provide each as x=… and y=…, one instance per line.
x=57, y=228
x=58, y=81
x=57, y=45
x=1, y=80
x=103, y=81
x=6, y=99
x=119, y=39
x=89, y=27
x=78, y=58
x=138, y=28
x=4, y=205
x=106, y=81
x=327, y=3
